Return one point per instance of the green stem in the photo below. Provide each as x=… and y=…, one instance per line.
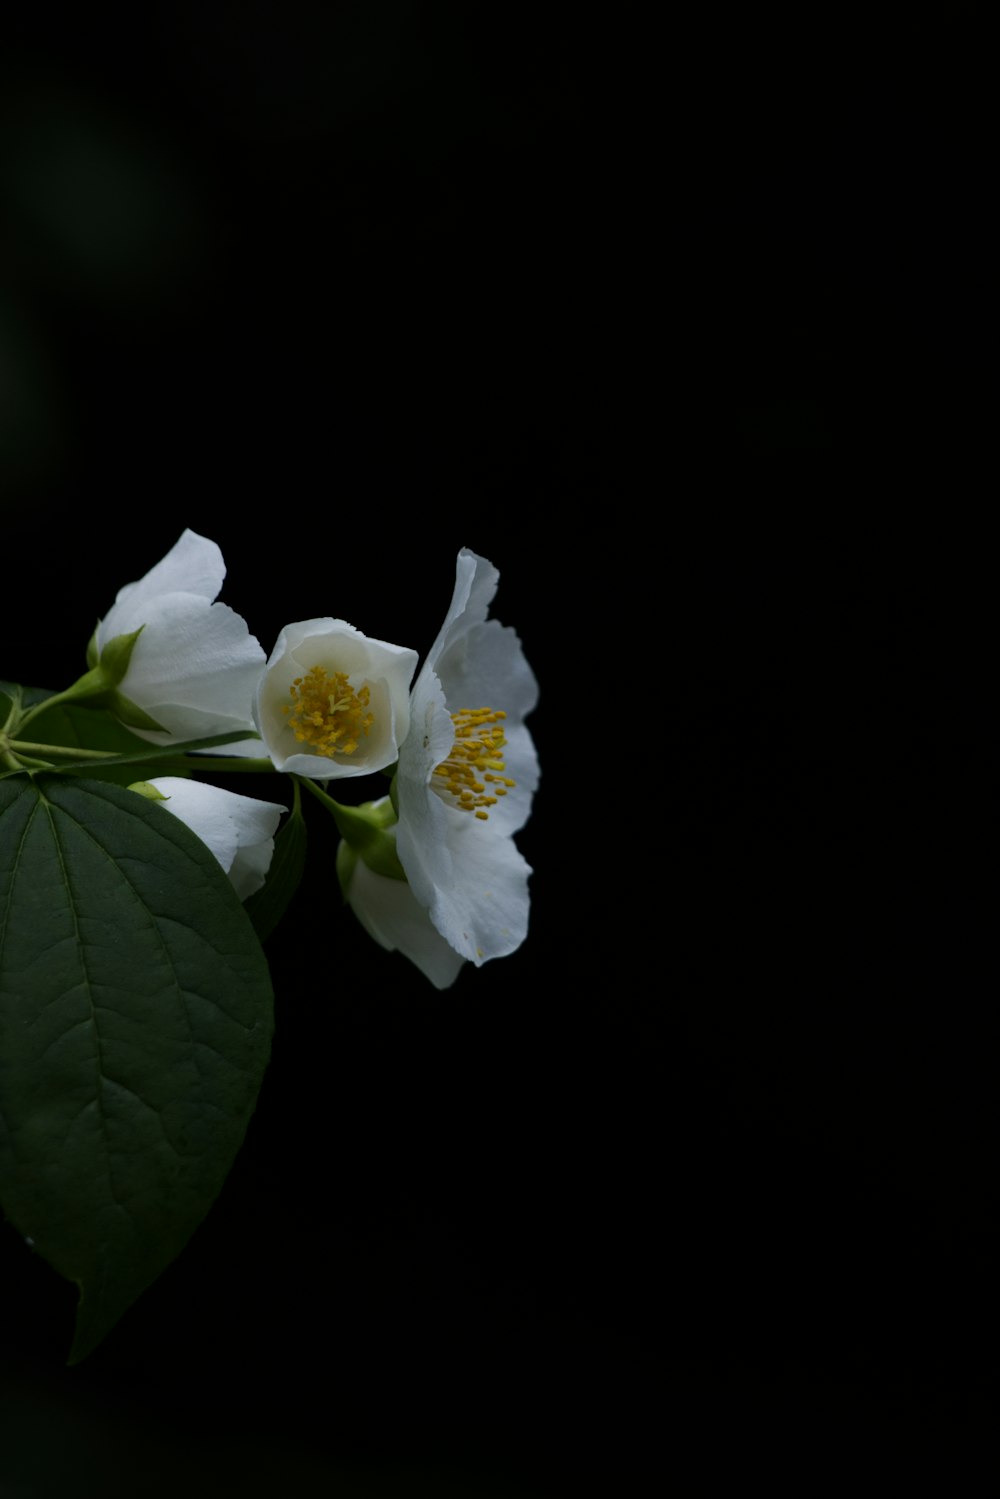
x=367, y=830
x=44, y=705
x=66, y=750
x=24, y=762
x=15, y=708
x=321, y=796
x=358, y=825
x=345, y=817
x=227, y=763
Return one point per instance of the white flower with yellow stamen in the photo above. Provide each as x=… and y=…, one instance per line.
x=194, y=665
x=468, y=771
x=332, y=702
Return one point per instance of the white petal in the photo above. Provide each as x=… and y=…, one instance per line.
x=206, y=812
x=250, y=867
x=239, y=830
x=487, y=665
x=193, y=565
x=194, y=668
x=257, y=822
x=421, y=834
x=390, y=912
x=483, y=910
x=476, y=583
x=520, y=757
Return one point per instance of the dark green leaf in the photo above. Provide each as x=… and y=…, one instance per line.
x=135, y=1028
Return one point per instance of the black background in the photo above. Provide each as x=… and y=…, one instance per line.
x=700, y=1181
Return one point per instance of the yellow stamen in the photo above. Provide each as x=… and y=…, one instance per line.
x=327, y=714
x=472, y=772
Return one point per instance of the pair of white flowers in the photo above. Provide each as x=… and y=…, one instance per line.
x=331, y=702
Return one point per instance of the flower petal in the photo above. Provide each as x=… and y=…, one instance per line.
x=239, y=830
x=485, y=663
x=476, y=582
x=194, y=565
x=483, y=910
x=195, y=665
x=421, y=835
x=194, y=668
x=391, y=913
x=513, y=809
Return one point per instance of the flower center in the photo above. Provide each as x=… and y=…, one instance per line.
x=326, y=713
x=472, y=773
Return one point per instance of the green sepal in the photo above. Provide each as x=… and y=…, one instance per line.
x=148, y=790
x=370, y=830
x=117, y=655
x=93, y=655
x=115, y=660
x=347, y=858
x=98, y=687
x=130, y=714
x=380, y=854
x=108, y=672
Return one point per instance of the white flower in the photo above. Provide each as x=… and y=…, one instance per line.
x=239, y=830
x=468, y=771
x=333, y=702
x=390, y=912
x=195, y=665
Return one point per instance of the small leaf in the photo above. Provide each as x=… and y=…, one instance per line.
x=29, y=695
x=135, y=1029
x=267, y=905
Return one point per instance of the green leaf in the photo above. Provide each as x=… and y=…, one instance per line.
x=135, y=1029
x=267, y=905
x=29, y=695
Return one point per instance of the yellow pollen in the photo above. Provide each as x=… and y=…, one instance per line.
x=472, y=772
x=327, y=714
